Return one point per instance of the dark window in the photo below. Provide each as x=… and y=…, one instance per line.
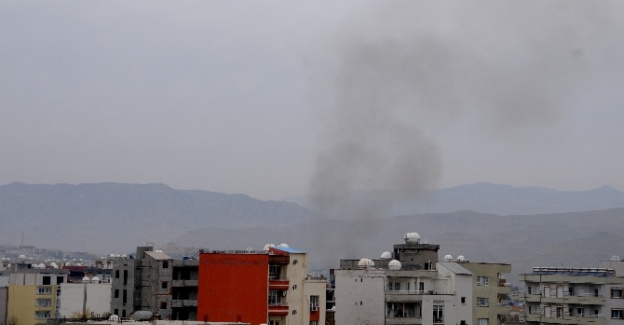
x=163, y=285
x=125, y=278
x=165, y=264
x=463, y=300
x=116, y=294
x=59, y=279
x=163, y=305
x=46, y=280
x=116, y=274
x=116, y=312
x=125, y=296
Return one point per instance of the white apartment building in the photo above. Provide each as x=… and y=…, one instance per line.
x=407, y=286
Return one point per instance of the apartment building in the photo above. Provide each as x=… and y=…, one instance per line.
x=559, y=295
x=489, y=291
x=34, y=293
x=271, y=286
x=259, y=287
x=407, y=286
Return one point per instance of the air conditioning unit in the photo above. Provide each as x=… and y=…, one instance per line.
x=284, y=293
x=314, y=308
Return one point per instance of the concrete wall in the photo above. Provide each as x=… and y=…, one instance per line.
x=360, y=297
x=73, y=295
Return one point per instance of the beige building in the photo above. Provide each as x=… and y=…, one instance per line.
x=33, y=294
x=586, y=296
x=489, y=290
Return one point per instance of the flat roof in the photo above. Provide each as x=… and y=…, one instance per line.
x=159, y=256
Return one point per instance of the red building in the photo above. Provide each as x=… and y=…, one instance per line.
x=263, y=287
x=234, y=287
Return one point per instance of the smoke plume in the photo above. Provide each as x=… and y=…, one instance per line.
x=412, y=69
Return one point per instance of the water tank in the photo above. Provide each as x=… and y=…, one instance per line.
x=394, y=265
x=386, y=255
x=86, y=279
x=461, y=258
x=614, y=258
x=448, y=258
x=142, y=315
x=412, y=237
x=95, y=279
x=366, y=263
x=282, y=245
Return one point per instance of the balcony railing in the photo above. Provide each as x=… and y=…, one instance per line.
x=418, y=292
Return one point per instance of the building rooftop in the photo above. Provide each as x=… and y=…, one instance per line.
x=455, y=268
x=584, y=271
x=159, y=256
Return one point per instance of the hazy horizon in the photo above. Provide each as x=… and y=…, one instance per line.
x=275, y=100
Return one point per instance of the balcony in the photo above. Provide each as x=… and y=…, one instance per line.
x=279, y=259
x=568, y=320
x=584, y=299
x=278, y=310
x=531, y=297
x=183, y=303
x=404, y=321
x=279, y=284
x=184, y=283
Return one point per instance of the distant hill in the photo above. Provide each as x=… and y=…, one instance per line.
x=114, y=218
x=564, y=239
x=486, y=198
x=109, y=216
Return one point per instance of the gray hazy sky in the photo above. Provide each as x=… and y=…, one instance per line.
x=276, y=99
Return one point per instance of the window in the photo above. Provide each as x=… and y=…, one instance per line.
x=116, y=293
x=116, y=276
x=125, y=277
x=42, y=314
x=463, y=300
x=438, y=314
x=403, y=310
x=314, y=302
x=60, y=279
x=295, y=262
x=165, y=264
x=421, y=286
x=275, y=298
x=580, y=312
x=294, y=312
x=616, y=313
x=529, y=289
x=164, y=285
x=483, y=280
x=559, y=312
x=44, y=290
x=483, y=302
x=483, y=321
x=274, y=322
x=617, y=293
x=313, y=322
x=125, y=296
x=46, y=281
x=163, y=305
x=274, y=272
x=116, y=312
x=44, y=302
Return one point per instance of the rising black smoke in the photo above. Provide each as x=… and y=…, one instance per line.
x=412, y=68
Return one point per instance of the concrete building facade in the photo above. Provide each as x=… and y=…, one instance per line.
x=558, y=295
x=90, y=298
x=489, y=290
x=34, y=294
x=263, y=287
x=371, y=295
